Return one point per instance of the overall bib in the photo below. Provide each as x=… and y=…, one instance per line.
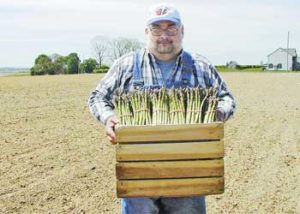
x=161, y=205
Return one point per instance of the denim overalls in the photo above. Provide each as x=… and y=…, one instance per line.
x=160, y=205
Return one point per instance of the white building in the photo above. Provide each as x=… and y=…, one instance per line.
x=281, y=58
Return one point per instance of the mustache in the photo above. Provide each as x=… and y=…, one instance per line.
x=164, y=41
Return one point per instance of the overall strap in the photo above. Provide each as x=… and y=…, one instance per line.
x=188, y=70
x=137, y=81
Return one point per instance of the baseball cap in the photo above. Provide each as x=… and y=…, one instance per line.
x=163, y=12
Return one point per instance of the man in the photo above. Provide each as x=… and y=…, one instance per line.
x=162, y=63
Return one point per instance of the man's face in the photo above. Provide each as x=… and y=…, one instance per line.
x=164, y=38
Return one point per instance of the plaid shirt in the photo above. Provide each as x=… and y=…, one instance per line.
x=119, y=77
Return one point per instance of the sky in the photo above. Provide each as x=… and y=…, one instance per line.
x=220, y=30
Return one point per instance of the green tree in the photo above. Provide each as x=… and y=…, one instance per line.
x=72, y=63
x=60, y=64
x=88, y=65
x=42, y=59
x=42, y=65
x=37, y=70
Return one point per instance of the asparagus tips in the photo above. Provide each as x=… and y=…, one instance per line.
x=167, y=106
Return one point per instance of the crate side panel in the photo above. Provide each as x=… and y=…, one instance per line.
x=170, y=187
x=170, y=169
x=170, y=151
x=160, y=133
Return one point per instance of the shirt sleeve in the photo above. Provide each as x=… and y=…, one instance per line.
x=226, y=100
x=100, y=101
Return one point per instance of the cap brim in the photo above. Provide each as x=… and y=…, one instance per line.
x=160, y=19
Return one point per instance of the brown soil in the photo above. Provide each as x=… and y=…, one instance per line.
x=55, y=158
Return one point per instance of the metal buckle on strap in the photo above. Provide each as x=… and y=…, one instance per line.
x=185, y=81
x=138, y=84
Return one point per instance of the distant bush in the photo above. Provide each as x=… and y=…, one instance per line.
x=220, y=67
x=101, y=69
x=241, y=67
x=104, y=66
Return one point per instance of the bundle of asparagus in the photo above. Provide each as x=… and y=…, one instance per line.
x=194, y=104
x=124, y=109
x=162, y=106
x=211, y=106
x=177, y=107
x=140, y=107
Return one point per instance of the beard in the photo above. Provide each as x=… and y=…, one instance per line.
x=164, y=46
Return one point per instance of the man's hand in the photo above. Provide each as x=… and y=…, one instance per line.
x=220, y=114
x=110, y=129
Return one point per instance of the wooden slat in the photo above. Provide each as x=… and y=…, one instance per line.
x=160, y=133
x=170, y=187
x=170, y=151
x=170, y=169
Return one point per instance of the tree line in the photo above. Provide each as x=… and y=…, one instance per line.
x=105, y=51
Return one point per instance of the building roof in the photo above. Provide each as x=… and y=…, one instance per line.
x=290, y=51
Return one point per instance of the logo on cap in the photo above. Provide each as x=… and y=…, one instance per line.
x=161, y=11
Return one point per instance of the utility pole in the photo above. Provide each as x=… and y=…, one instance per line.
x=287, y=52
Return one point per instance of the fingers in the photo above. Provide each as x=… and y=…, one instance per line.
x=110, y=126
x=112, y=140
x=220, y=114
x=114, y=120
x=111, y=134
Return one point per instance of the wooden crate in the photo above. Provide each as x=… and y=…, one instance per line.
x=170, y=160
